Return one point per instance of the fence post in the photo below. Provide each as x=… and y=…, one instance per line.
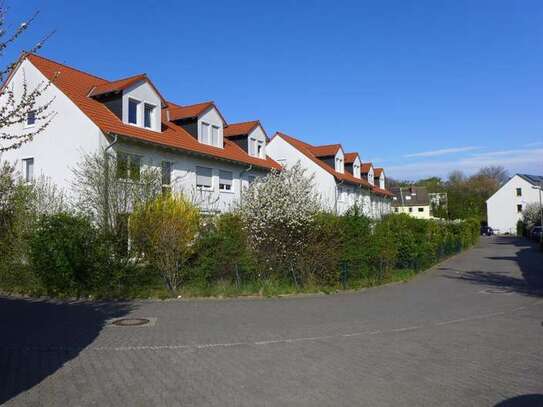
x=238, y=278
x=344, y=274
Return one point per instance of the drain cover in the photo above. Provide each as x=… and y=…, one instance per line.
x=131, y=322
x=496, y=291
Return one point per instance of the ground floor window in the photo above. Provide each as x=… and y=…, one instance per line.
x=204, y=177
x=28, y=167
x=225, y=180
x=128, y=166
x=519, y=208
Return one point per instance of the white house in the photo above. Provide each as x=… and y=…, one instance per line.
x=336, y=174
x=504, y=208
x=195, y=148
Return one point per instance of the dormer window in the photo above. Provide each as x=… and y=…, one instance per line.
x=259, y=149
x=215, y=136
x=339, y=164
x=204, y=133
x=133, y=111
x=148, y=112
x=31, y=118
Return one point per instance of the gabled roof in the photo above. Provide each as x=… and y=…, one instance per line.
x=189, y=111
x=325, y=150
x=307, y=150
x=536, y=180
x=351, y=157
x=121, y=84
x=76, y=85
x=377, y=172
x=365, y=167
x=241, y=129
x=380, y=191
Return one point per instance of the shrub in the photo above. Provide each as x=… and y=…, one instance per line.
x=164, y=231
x=222, y=251
x=65, y=253
x=277, y=213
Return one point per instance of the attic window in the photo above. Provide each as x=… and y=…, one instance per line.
x=31, y=118
x=133, y=111
x=148, y=111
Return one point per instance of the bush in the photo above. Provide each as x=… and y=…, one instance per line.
x=222, y=252
x=164, y=231
x=65, y=254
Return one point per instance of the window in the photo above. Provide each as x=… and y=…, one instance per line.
x=225, y=180
x=519, y=191
x=215, y=136
x=203, y=177
x=421, y=209
x=28, y=165
x=251, y=179
x=519, y=208
x=260, y=149
x=410, y=209
x=148, y=115
x=31, y=118
x=395, y=209
x=339, y=165
x=133, y=111
x=204, y=136
x=166, y=170
x=128, y=166
x=252, y=146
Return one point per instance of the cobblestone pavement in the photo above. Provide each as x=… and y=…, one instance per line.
x=467, y=333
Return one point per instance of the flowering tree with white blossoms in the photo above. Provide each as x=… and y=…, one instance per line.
x=531, y=215
x=278, y=212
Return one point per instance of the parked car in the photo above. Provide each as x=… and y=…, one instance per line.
x=487, y=231
x=536, y=233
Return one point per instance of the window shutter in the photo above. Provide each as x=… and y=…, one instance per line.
x=215, y=136
x=204, y=137
x=203, y=177
x=225, y=177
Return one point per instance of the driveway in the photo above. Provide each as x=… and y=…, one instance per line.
x=466, y=333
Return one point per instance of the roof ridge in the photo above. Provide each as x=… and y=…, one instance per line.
x=66, y=66
x=246, y=122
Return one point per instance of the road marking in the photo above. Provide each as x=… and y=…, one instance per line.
x=454, y=321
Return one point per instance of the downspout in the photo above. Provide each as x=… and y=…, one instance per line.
x=246, y=170
x=106, y=179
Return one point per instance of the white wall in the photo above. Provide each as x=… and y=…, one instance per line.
x=502, y=206
x=416, y=211
x=58, y=149
x=382, y=180
x=259, y=136
x=339, y=161
x=356, y=167
x=144, y=93
x=213, y=118
x=370, y=176
x=184, y=175
x=285, y=154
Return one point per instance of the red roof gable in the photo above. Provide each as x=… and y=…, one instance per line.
x=351, y=157
x=238, y=129
x=76, y=85
x=325, y=150
x=185, y=112
x=377, y=172
x=365, y=167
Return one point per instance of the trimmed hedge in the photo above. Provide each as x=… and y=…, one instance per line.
x=69, y=257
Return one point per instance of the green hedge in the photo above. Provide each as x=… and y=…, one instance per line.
x=70, y=257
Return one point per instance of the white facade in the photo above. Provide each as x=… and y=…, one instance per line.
x=336, y=195
x=59, y=148
x=504, y=208
x=56, y=151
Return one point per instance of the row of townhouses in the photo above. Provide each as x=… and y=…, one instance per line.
x=196, y=149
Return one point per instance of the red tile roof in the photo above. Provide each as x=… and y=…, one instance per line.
x=189, y=111
x=377, y=172
x=238, y=129
x=307, y=150
x=325, y=150
x=350, y=157
x=379, y=191
x=117, y=85
x=76, y=85
x=365, y=167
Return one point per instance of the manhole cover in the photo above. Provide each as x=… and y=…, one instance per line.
x=496, y=291
x=131, y=322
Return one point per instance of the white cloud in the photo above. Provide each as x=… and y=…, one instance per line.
x=443, y=151
x=534, y=144
x=518, y=160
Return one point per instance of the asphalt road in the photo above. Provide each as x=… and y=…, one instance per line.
x=466, y=333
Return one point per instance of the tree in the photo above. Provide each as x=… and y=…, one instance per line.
x=164, y=231
x=18, y=104
x=277, y=213
x=531, y=215
x=107, y=190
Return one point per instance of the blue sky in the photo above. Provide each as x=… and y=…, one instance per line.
x=420, y=87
